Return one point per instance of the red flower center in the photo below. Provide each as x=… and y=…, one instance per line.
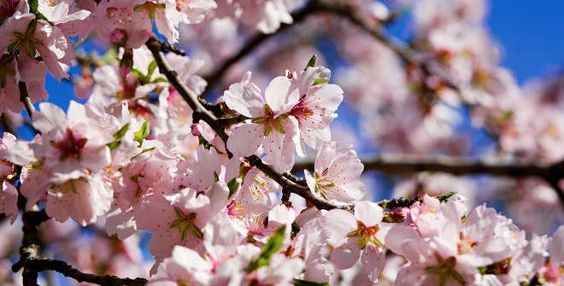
x=70, y=146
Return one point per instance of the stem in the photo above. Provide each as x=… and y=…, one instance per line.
x=25, y=99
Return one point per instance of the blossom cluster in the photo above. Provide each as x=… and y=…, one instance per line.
x=214, y=188
x=216, y=219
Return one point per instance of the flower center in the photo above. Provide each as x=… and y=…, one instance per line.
x=465, y=244
x=184, y=223
x=258, y=188
x=445, y=269
x=71, y=145
x=322, y=184
x=235, y=209
x=366, y=235
x=25, y=42
x=269, y=121
x=301, y=110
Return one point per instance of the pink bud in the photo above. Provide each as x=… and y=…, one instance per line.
x=196, y=129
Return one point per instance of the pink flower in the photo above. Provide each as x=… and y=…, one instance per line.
x=270, y=125
x=166, y=15
x=255, y=194
x=151, y=173
x=9, y=201
x=9, y=84
x=37, y=38
x=117, y=21
x=70, y=144
x=179, y=219
x=194, y=11
x=71, y=157
x=357, y=236
x=317, y=105
x=83, y=199
x=66, y=16
x=15, y=151
x=443, y=244
x=187, y=71
x=184, y=267
x=266, y=15
x=280, y=271
x=336, y=175
x=311, y=244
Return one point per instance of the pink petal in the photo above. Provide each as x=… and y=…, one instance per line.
x=373, y=261
x=369, y=213
x=346, y=255
x=245, y=139
x=281, y=95
x=245, y=99
x=49, y=117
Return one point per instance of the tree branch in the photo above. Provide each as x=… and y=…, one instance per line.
x=201, y=113
x=254, y=42
x=406, y=54
x=403, y=165
x=32, y=263
x=39, y=265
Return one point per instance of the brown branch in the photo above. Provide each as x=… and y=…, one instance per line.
x=39, y=265
x=201, y=113
x=254, y=42
x=457, y=166
x=404, y=52
x=403, y=165
x=32, y=264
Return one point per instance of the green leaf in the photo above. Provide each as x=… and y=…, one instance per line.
x=300, y=282
x=33, y=5
x=320, y=81
x=271, y=247
x=159, y=79
x=311, y=62
x=142, y=133
x=233, y=186
x=118, y=136
x=138, y=74
x=151, y=69
x=34, y=9
x=443, y=198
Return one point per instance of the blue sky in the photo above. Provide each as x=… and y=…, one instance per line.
x=531, y=34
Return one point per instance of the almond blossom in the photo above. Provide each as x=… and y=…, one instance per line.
x=447, y=247
x=270, y=124
x=357, y=237
x=317, y=105
x=167, y=173
x=336, y=175
x=71, y=156
x=179, y=219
